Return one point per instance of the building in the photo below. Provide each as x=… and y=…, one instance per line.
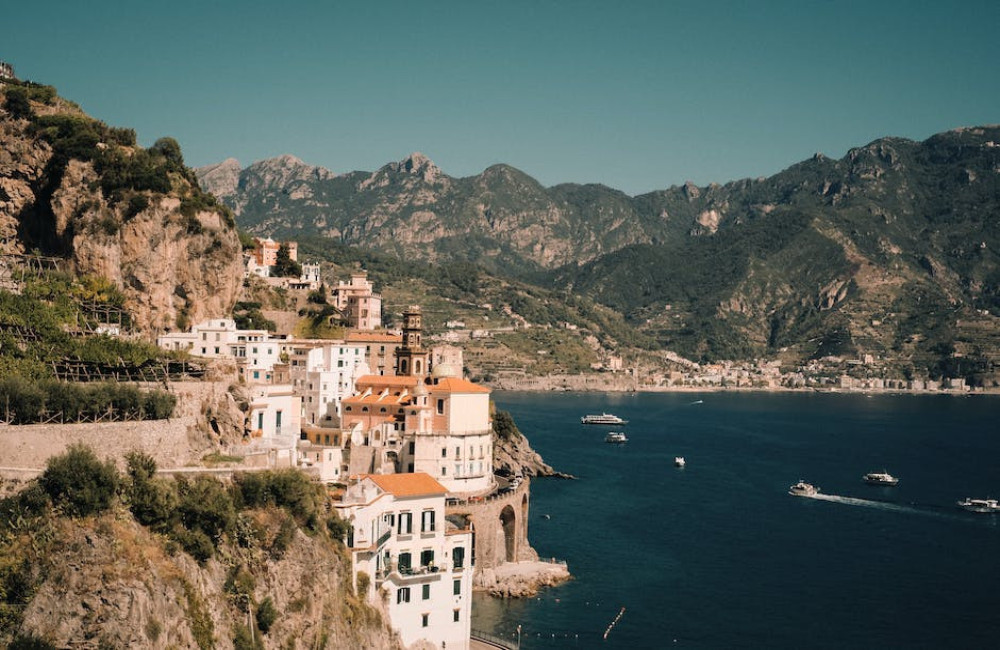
x=420, y=564
x=436, y=423
x=361, y=306
x=265, y=251
x=323, y=372
x=6, y=70
x=380, y=348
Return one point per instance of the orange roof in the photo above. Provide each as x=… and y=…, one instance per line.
x=373, y=336
x=386, y=381
x=456, y=385
x=408, y=485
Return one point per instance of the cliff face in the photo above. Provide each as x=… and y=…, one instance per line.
x=112, y=583
x=174, y=255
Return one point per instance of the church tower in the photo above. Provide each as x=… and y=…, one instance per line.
x=411, y=357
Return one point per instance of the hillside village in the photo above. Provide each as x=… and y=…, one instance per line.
x=407, y=439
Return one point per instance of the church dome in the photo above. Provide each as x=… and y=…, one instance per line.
x=444, y=370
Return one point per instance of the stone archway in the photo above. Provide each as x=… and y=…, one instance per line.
x=508, y=523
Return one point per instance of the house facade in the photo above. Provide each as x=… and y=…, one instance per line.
x=420, y=564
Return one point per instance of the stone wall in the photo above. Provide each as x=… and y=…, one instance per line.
x=30, y=446
x=501, y=526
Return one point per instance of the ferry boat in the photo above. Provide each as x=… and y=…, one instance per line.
x=603, y=418
x=880, y=478
x=615, y=436
x=803, y=489
x=980, y=505
x=679, y=461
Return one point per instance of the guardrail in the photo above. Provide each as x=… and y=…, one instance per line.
x=493, y=640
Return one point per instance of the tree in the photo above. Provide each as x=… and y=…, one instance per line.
x=16, y=103
x=80, y=483
x=284, y=265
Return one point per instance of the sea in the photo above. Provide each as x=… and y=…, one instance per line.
x=719, y=555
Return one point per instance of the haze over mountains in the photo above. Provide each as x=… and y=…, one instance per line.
x=891, y=250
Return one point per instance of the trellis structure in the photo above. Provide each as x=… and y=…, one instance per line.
x=149, y=371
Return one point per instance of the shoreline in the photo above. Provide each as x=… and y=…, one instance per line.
x=543, y=387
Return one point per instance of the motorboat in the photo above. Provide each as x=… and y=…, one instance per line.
x=615, y=436
x=679, y=461
x=980, y=505
x=603, y=418
x=803, y=489
x=880, y=478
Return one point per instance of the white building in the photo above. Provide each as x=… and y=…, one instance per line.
x=323, y=373
x=420, y=565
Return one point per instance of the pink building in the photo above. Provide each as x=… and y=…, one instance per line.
x=361, y=306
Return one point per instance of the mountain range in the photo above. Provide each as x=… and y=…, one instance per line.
x=889, y=251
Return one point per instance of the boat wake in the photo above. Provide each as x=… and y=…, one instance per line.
x=868, y=503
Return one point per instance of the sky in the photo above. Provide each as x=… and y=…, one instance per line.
x=637, y=95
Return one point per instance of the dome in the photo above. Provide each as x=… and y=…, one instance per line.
x=419, y=389
x=444, y=370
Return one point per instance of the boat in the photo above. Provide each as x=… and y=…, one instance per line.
x=880, y=478
x=603, y=418
x=615, y=436
x=803, y=489
x=980, y=505
x=679, y=461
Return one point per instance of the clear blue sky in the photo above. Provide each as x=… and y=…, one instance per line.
x=636, y=95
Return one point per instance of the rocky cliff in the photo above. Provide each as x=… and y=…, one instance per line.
x=108, y=582
x=73, y=188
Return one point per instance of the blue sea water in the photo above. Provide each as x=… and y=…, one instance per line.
x=719, y=555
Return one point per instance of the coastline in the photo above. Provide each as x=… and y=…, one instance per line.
x=618, y=384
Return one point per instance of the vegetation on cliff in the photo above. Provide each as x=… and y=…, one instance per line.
x=212, y=564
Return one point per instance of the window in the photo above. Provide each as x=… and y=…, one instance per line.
x=444, y=471
x=427, y=521
x=260, y=420
x=426, y=557
x=456, y=587
x=403, y=595
x=454, y=615
x=405, y=523
x=440, y=406
x=405, y=563
x=426, y=592
x=444, y=452
x=458, y=557
x=424, y=619
x=458, y=452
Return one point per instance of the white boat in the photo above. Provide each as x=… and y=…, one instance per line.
x=803, y=489
x=603, y=418
x=615, y=436
x=880, y=478
x=980, y=505
x=679, y=461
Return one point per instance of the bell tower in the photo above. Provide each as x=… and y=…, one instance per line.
x=411, y=357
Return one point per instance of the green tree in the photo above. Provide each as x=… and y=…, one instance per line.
x=79, y=483
x=284, y=265
x=16, y=103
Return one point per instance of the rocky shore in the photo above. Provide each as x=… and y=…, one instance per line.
x=521, y=579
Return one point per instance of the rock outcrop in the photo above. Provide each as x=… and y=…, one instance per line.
x=112, y=583
x=173, y=252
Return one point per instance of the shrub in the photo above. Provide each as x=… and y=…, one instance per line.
x=79, y=483
x=267, y=614
x=206, y=506
x=30, y=642
x=194, y=542
x=337, y=527
x=16, y=103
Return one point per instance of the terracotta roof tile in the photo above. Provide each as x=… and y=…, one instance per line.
x=408, y=485
x=456, y=385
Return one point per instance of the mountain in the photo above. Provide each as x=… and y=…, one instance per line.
x=74, y=189
x=888, y=251
x=502, y=218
